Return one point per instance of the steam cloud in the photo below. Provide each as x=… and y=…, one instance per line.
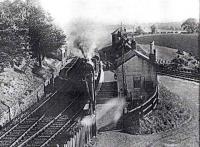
x=117, y=103
x=82, y=39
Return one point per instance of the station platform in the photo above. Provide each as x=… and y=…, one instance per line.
x=108, y=88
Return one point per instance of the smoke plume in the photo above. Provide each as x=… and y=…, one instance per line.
x=82, y=39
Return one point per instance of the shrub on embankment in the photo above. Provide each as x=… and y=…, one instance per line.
x=183, y=42
x=171, y=113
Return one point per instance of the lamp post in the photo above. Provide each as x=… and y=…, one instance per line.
x=93, y=104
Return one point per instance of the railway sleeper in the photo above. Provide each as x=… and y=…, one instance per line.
x=31, y=119
x=6, y=142
x=16, y=132
x=39, y=141
x=21, y=127
x=50, y=131
x=62, y=119
x=59, y=122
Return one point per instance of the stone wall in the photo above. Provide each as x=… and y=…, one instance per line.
x=21, y=105
x=35, y=90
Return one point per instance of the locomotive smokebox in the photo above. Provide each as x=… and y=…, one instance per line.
x=80, y=76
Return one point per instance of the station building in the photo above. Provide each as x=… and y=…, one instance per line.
x=134, y=69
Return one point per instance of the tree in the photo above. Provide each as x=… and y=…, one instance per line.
x=45, y=37
x=27, y=30
x=139, y=30
x=13, y=36
x=190, y=25
x=153, y=29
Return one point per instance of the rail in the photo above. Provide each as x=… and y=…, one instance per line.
x=47, y=125
x=86, y=131
x=31, y=113
x=16, y=141
x=64, y=126
x=28, y=125
x=181, y=75
x=187, y=74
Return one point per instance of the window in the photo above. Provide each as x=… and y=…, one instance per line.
x=137, y=82
x=149, y=86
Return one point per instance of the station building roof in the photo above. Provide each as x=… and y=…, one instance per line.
x=132, y=54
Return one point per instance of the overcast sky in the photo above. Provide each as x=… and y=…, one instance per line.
x=126, y=11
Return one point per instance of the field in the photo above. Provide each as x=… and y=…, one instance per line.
x=164, y=53
x=184, y=42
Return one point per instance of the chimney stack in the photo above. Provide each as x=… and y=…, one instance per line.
x=152, y=47
x=152, y=55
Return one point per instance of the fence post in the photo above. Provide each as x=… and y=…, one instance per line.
x=79, y=138
x=73, y=141
x=76, y=137
x=87, y=135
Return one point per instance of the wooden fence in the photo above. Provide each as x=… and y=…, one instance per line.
x=147, y=106
x=82, y=137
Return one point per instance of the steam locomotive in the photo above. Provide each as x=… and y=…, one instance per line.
x=84, y=75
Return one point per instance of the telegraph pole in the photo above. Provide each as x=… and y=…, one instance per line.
x=123, y=74
x=123, y=77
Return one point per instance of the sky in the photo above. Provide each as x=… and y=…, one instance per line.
x=126, y=11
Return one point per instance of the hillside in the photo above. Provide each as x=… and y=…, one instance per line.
x=164, y=53
x=183, y=42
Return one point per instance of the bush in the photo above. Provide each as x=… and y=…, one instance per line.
x=171, y=114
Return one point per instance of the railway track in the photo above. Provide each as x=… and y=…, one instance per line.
x=180, y=76
x=27, y=122
x=42, y=125
x=39, y=130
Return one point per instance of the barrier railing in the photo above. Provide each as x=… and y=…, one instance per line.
x=147, y=106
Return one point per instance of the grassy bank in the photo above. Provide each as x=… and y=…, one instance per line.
x=170, y=113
